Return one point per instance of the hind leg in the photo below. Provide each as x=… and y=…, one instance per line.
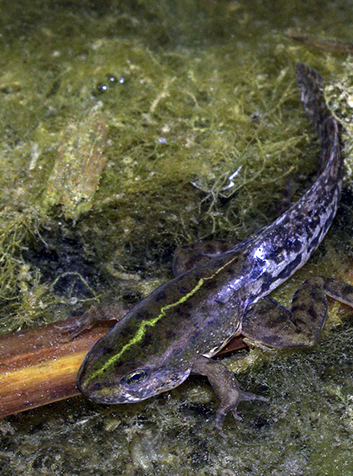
x=269, y=323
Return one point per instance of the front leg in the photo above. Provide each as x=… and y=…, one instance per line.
x=102, y=312
x=225, y=386
x=269, y=323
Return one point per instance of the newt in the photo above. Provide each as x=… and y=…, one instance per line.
x=178, y=328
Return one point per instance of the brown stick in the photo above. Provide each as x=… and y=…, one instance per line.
x=37, y=367
x=321, y=43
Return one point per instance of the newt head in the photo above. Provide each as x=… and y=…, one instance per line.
x=114, y=371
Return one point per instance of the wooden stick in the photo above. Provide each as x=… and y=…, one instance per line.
x=37, y=367
x=321, y=43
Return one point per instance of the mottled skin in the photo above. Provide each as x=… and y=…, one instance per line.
x=175, y=330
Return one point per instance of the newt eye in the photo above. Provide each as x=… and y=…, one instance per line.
x=136, y=377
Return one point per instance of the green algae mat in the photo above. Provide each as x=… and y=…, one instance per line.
x=128, y=128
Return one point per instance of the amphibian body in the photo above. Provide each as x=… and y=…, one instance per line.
x=184, y=322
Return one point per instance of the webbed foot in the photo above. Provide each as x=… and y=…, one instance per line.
x=106, y=312
x=226, y=388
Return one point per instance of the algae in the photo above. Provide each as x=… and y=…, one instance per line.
x=200, y=134
x=78, y=166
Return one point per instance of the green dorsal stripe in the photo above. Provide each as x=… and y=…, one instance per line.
x=141, y=330
x=152, y=322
